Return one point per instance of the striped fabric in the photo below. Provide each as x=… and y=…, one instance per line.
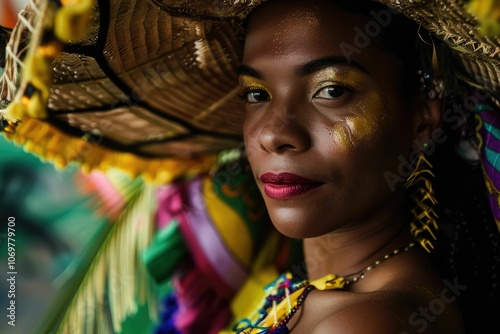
x=489, y=140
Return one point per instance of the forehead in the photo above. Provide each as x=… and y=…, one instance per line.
x=283, y=36
x=305, y=30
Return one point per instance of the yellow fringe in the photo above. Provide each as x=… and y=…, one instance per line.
x=32, y=94
x=115, y=272
x=50, y=144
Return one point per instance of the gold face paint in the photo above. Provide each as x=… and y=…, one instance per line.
x=340, y=135
x=338, y=76
x=359, y=127
x=252, y=84
x=346, y=122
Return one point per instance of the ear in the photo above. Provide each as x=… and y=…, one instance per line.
x=428, y=120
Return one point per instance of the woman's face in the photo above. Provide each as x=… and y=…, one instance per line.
x=323, y=124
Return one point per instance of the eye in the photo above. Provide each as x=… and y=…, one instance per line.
x=255, y=96
x=332, y=92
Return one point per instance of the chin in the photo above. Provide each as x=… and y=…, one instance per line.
x=294, y=227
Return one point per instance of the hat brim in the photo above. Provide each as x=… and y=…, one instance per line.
x=156, y=81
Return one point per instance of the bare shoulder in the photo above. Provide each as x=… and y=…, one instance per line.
x=395, y=311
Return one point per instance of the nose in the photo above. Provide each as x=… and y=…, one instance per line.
x=284, y=130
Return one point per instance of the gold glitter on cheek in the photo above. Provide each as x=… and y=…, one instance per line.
x=362, y=128
x=361, y=125
x=340, y=136
x=369, y=118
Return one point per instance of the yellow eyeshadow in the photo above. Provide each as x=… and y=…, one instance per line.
x=339, y=75
x=251, y=84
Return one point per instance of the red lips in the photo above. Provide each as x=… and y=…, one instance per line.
x=286, y=185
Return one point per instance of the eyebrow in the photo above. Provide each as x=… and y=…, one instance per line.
x=322, y=63
x=249, y=71
x=309, y=68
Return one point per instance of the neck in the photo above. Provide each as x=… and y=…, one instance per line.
x=351, y=249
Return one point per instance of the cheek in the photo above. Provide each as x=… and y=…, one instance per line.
x=362, y=127
x=251, y=132
x=371, y=139
x=248, y=129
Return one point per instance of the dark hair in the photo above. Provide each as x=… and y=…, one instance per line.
x=399, y=36
x=468, y=249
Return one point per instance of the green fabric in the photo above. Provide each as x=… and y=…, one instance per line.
x=165, y=253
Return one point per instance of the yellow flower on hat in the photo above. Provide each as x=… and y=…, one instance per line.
x=72, y=19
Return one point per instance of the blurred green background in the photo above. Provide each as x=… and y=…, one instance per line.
x=55, y=225
x=54, y=222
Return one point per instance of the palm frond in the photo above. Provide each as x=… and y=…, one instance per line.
x=108, y=283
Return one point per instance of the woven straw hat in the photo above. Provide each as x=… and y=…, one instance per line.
x=151, y=86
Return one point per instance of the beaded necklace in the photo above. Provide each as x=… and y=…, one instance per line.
x=277, y=310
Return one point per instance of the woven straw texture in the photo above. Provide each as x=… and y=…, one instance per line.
x=477, y=53
x=157, y=79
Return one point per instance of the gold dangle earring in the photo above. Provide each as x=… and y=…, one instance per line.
x=424, y=224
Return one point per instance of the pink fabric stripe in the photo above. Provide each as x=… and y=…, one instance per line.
x=206, y=245
x=201, y=260
x=170, y=204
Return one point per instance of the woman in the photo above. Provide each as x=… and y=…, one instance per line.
x=350, y=133
x=323, y=128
